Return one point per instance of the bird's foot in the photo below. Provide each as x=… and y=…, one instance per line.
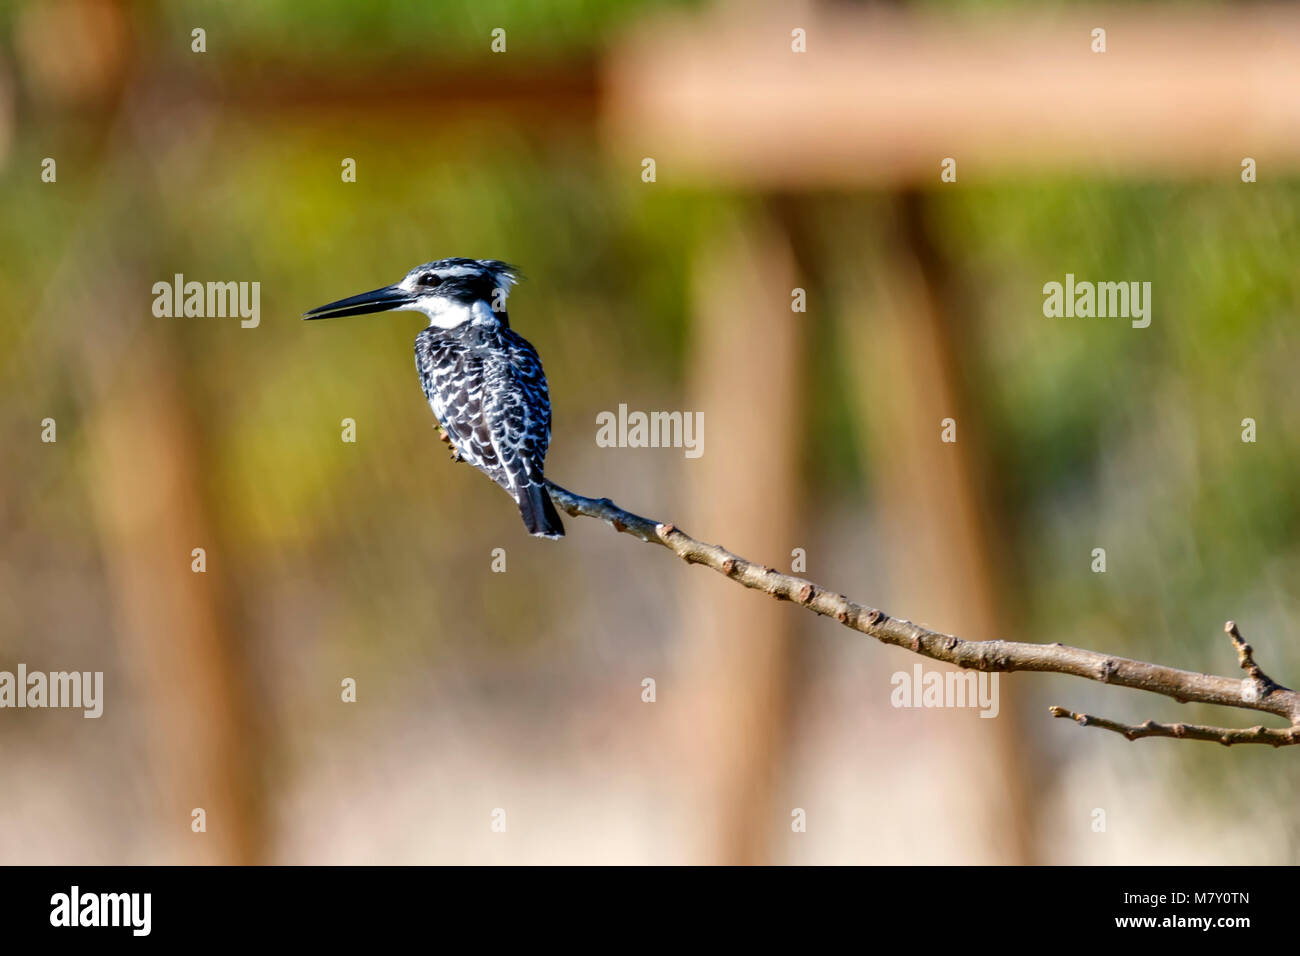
x=444, y=437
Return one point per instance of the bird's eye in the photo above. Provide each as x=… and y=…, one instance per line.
x=430, y=279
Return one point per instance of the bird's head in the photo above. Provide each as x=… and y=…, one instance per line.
x=450, y=292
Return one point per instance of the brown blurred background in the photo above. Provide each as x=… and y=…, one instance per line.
x=775, y=170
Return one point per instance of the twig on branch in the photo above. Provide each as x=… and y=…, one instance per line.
x=1251, y=735
x=1256, y=691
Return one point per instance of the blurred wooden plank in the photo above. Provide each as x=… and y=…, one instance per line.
x=517, y=91
x=880, y=97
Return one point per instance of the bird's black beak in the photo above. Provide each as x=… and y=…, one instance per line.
x=381, y=300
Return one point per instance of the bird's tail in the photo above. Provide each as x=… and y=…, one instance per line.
x=538, y=512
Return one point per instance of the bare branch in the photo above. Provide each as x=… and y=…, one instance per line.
x=1256, y=692
x=1278, y=737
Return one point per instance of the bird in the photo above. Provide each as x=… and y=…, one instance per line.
x=483, y=380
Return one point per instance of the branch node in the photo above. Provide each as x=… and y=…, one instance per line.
x=1260, y=684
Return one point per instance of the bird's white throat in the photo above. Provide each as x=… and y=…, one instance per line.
x=450, y=314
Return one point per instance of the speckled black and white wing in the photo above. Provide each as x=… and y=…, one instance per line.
x=518, y=408
x=488, y=391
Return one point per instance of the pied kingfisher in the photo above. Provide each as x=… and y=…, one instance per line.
x=483, y=380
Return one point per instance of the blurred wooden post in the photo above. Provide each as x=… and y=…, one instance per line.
x=735, y=657
x=171, y=621
x=930, y=501
x=186, y=677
